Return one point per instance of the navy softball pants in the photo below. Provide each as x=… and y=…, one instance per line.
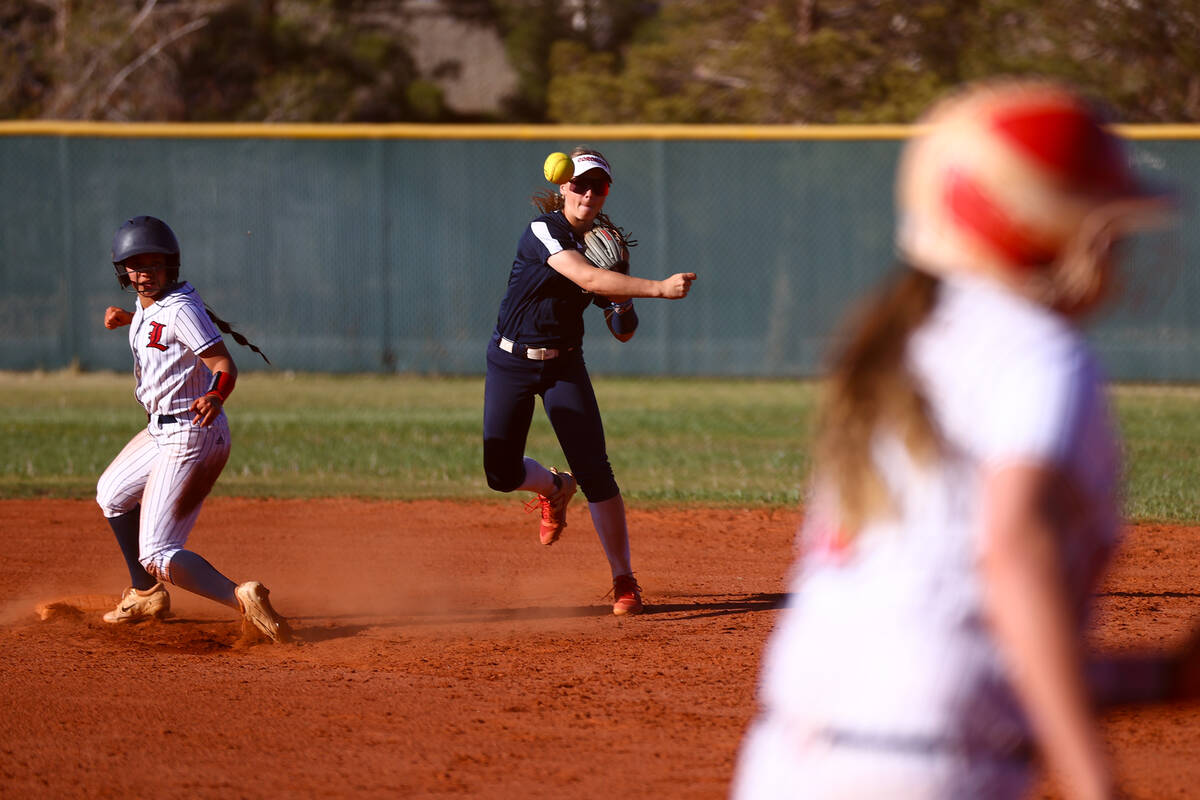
x=566, y=390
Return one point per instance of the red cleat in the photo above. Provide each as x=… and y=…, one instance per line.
x=554, y=507
x=627, y=596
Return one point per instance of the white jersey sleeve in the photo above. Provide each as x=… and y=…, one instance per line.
x=545, y=237
x=195, y=328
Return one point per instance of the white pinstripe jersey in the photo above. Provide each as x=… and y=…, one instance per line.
x=889, y=635
x=165, y=338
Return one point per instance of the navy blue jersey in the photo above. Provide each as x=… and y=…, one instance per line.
x=541, y=308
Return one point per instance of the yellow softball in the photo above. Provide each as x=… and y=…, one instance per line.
x=558, y=168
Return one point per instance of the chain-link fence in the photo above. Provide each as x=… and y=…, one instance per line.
x=387, y=252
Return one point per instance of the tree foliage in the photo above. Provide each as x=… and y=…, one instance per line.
x=587, y=61
x=827, y=61
x=328, y=60
x=532, y=29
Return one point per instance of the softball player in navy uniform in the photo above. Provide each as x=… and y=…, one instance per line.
x=152, y=492
x=536, y=350
x=966, y=492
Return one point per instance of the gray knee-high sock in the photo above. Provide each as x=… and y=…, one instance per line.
x=126, y=527
x=190, y=571
x=609, y=518
x=538, y=478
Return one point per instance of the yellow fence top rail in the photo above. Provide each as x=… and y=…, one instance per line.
x=256, y=130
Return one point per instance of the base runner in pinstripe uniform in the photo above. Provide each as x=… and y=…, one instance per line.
x=152, y=492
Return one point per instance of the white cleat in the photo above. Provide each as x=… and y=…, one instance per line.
x=253, y=597
x=139, y=604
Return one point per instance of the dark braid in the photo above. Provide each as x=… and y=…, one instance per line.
x=237, y=337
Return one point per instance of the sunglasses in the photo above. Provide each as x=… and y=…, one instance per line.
x=598, y=186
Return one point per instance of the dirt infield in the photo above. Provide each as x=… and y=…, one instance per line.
x=443, y=652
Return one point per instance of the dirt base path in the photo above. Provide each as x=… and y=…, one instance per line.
x=443, y=652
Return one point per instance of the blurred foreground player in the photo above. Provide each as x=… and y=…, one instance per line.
x=965, y=500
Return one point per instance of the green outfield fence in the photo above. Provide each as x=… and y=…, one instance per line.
x=380, y=248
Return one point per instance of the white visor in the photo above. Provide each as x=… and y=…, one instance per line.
x=586, y=161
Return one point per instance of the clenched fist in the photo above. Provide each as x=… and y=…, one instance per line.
x=116, y=317
x=677, y=286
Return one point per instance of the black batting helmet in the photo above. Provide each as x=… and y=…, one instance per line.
x=144, y=235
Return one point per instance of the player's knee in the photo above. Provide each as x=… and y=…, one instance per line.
x=104, y=499
x=502, y=482
x=598, y=487
x=158, y=563
x=505, y=470
x=112, y=506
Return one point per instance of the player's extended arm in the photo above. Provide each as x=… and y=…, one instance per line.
x=116, y=317
x=208, y=406
x=572, y=265
x=1031, y=615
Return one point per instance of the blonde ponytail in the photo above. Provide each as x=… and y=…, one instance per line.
x=871, y=387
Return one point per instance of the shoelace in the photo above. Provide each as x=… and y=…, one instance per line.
x=540, y=500
x=631, y=587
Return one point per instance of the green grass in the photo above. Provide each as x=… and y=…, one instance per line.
x=735, y=442
x=409, y=437
x=1161, y=430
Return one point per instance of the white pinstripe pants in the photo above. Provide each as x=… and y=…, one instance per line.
x=169, y=469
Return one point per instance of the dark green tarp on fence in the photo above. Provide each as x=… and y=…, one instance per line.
x=391, y=254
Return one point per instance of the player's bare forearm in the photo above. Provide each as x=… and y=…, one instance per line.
x=218, y=359
x=116, y=317
x=611, y=284
x=207, y=407
x=1030, y=613
x=614, y=284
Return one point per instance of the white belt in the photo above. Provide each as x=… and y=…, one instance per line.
x=536, y=353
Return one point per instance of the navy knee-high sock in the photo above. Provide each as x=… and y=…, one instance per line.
x=126, y=529
x=190, y=571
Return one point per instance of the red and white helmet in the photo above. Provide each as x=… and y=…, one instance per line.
x=1019, y=180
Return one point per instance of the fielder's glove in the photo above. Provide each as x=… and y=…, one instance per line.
x=607, y=248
